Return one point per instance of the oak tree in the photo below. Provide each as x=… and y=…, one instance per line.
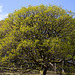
x=36, y=37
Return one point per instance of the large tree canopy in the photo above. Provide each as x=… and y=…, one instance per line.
x=37, y=37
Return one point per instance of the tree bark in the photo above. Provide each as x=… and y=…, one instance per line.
x=62, y=70
x=62, y=66
x=45, y=70
x=55, y=67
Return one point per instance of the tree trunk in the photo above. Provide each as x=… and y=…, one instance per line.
x=45, y=71
x=55, y=67
x=62, y=66
x=62, y=70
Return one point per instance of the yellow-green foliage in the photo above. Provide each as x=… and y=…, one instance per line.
x=37, y=34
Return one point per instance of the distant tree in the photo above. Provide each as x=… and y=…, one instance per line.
x=36, y=37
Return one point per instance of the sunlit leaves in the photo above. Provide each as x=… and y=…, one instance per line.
x=39, y=34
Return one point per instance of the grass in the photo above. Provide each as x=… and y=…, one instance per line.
x=30, y=73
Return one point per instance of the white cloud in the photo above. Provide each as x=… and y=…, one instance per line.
x=3, y=15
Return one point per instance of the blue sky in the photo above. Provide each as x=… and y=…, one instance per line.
x=9, y=6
